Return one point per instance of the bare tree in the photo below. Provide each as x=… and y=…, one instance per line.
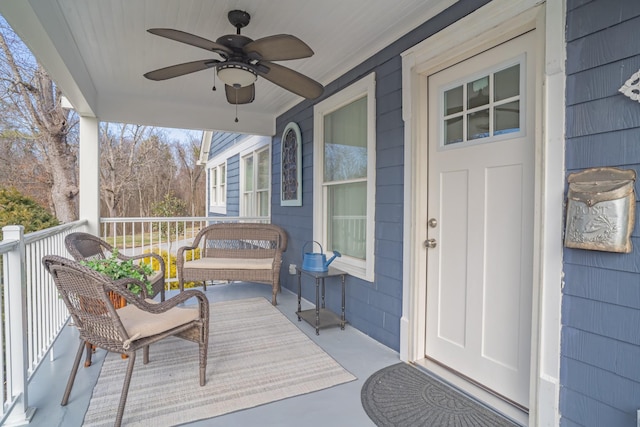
x=32, y=105
x=191, y=175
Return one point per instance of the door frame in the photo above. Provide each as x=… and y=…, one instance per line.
x=490, y=25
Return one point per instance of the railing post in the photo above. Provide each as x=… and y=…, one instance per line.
x=15, y=310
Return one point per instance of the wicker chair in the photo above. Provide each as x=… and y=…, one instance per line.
x=83, y=246
x=235, y=252
x=137, y=325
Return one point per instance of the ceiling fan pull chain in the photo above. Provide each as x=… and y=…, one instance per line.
x=236, y=105
x=214, y=82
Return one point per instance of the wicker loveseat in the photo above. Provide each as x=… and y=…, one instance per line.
x=235, y=252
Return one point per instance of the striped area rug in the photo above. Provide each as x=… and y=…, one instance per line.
x=256, y=356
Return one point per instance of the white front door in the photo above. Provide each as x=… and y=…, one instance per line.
x=481, y=212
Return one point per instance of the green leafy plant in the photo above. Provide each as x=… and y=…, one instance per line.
x=115, y=268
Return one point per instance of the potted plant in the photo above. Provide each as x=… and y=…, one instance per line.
x=115, y=268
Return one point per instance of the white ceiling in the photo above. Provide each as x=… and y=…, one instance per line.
x=98, y=50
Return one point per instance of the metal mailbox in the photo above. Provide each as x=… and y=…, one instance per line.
x=601, y=210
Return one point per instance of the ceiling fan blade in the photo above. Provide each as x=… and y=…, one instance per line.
x=180, y=69
x=290, y=80
x=192, y=40
x=243, y=95
x=279, y=47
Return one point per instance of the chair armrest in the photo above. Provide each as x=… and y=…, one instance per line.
x=161, y=307
x=181, y=251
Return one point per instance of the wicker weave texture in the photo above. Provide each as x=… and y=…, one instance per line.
x=85, y=246
x=87, y=295
x=236, y=240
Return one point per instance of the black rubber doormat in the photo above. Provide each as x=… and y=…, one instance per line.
x=401, y=395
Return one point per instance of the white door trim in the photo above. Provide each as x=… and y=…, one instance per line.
x=496, y=22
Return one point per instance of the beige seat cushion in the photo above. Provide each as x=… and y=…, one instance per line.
x=231, y=263
x=139, y=323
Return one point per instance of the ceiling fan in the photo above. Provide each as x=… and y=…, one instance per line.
x=243, y=60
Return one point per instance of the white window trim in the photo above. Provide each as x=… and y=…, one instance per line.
x=364, y=87
x=246, y=145
x=216, y=206
x=254, y=152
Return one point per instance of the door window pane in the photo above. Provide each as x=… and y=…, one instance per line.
x=507, y=83
x=453, y=101
x=507, y=118
x=478, y=93
x=453, y=130
x=478, y=125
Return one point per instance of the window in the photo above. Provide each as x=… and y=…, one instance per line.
x=344, y=180
x=256, y=183
x=218, y=189
x=483, y=108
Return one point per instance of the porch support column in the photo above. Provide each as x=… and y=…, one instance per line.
x=89, y=173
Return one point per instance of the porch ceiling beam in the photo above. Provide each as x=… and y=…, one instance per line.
x=168, y=112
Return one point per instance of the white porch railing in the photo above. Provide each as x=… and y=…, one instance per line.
x=33, y=315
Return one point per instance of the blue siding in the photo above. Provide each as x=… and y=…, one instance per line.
x=374, y=308
x=600, y=351
x=222, y=141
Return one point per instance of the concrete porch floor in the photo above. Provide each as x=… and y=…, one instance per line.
x=336, y=406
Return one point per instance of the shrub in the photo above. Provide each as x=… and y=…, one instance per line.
x=18, y=209
x=171, y=267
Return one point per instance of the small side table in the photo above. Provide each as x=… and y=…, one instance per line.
x=320, y=317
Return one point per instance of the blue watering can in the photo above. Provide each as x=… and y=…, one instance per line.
x=316, y=261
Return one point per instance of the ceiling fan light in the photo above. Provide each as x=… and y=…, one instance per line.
x=236, y=75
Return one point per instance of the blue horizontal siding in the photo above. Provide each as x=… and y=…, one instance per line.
x=599, y=15
x=604, y=47
x=588, y=412
x=600, y=386
x=600, y=339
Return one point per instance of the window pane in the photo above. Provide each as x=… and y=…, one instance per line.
x=507, y=83
x=263, y=170
x=347, y=219
x=507, y=118
x=453, y=101
x=478, y=93
x=478, y=125
x=248, y=174
x=223, y=174
x=453, y=130
x=345, y=142
x=247, y=204
x=263, y=203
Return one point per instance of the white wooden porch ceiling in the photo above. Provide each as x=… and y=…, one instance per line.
x=98, y=50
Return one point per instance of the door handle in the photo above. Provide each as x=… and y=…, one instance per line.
x=430, y=243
